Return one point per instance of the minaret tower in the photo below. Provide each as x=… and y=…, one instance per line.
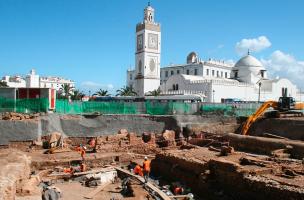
x=147, y=54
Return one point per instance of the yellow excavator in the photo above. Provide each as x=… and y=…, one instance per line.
x=285, y=106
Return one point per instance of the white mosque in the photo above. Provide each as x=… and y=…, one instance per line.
x=216, y=81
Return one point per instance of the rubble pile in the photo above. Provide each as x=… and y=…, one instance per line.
x=125, y=141
x=235, y=174
x=18, y=116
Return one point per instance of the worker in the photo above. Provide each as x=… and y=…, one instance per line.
x=146, y=169
x=92, y=143
x=138, y=170
x=83, y=152
x=83, y=167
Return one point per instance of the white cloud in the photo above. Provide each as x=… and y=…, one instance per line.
x=253, y=44
x=285, y=66
x=93, y=86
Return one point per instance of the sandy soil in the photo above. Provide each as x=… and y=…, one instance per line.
x=75, y=191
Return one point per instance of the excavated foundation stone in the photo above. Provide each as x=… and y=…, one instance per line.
x=14, y=170
x=214, y=177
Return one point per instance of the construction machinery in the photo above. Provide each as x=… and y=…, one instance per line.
x=286, y=106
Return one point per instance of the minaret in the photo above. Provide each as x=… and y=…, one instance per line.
x=147, y=54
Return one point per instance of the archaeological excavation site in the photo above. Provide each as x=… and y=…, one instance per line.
x=161, y=157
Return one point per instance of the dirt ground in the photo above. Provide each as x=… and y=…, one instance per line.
x=75, y=191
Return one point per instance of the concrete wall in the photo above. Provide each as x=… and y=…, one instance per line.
x=77, y=125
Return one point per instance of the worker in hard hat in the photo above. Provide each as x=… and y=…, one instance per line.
x=146, y=168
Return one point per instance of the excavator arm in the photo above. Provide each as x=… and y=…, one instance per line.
x=252, y=118
x=299, y=106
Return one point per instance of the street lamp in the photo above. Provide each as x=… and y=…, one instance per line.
x=213, y=91
x=259, y=92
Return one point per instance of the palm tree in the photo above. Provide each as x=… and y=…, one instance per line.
x=102, y=93
x=77, y=95
x=66, y=91
x=156, y=92
x=3, y=84
x=126, y=91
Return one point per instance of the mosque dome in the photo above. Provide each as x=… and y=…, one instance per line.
x=249, y=69
x=248, y=61
x=192, y=57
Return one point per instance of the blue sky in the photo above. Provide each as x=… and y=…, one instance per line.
x=93, y=41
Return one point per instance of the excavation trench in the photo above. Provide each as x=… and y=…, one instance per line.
x=263, y=168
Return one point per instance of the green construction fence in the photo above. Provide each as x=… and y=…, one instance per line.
x=24, y=105
x=230, y=109
x=79, y=107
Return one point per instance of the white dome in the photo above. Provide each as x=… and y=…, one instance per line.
x=249, y=69
x=248, y=61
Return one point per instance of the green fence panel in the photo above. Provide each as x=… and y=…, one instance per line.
x=79, y=107
x=158, y=108
x=230, y=109
x=66, y=107
x=148, y=107
x=109, y=107
x=24, y=105
x=32, y=105
x=7, y=105
x=181, y=108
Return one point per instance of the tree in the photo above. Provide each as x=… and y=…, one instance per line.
x=102, y=93
x=126, y=91
x=77, y=95
x=66, y=91
x=3, y=84
x=156, y=92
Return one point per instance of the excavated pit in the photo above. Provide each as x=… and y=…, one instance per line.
x=262, y=168
x=224, y=177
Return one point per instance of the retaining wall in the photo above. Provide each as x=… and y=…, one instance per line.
x=82, y=126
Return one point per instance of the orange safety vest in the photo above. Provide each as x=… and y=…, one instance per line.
x=138, y=170
x=146, y=165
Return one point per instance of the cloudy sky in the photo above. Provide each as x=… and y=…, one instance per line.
x=93, y=42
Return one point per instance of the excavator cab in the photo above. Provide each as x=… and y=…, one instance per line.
x=286, y=103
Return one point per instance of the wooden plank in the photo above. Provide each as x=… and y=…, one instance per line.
x=96, y=191
x=160, y=193
x=95, y=171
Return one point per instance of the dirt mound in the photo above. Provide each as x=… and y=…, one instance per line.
x=14, y=169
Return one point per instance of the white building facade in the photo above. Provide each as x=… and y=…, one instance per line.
x=247, y=82
x=14, y=81
x=33, y=80
x=216, y=81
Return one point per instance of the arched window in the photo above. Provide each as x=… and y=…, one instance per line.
x=173, y=86
x=235, y=74
x=176, y=87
